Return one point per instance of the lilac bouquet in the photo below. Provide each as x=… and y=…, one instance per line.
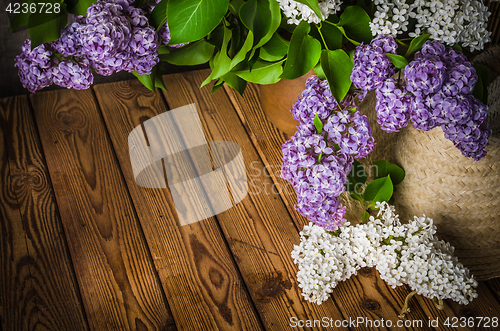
x=319, y=157
x=113, y=36
x=436, y=90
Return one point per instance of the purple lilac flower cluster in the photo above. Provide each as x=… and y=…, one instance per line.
x=442, y=96
x=392, y=106
x=317, y=163
x=371, y=66
x=436, y=91
x=114, y=36
x=35, y=66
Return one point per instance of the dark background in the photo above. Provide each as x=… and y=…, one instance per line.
x=11, y=42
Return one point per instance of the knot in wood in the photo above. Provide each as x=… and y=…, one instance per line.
x=370, y=304
x=366, y=272
x=467, y=312
x=71, y=120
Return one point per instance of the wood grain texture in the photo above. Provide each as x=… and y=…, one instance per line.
x=38, y=285
x=259, y=229
x=119, y=286
x=197, y=271
x=494, y=287
x=365, y=294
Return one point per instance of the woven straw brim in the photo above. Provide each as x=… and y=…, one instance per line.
x=460, y=194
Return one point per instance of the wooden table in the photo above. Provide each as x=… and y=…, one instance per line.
x=85, y=248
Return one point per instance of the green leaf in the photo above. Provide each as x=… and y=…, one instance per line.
x=481, y=88
x=195, y=53
x=399, y=61
x=365, y=216
x=303, y=53
x=146, y=80
x=318, y=124
x=378, y=190
x=256, y=16
x=357, y=197
x=356, y=24
x=222, y=61
x=139, y=3
x=191, y=20
x=275, y=22
x=332, y=35
x=234, y=6
x=254, y=57
x=78, y=7
x=457, y=47
x=382, y=168
x=240, y=56
x=237, y=37
x=158, y=16
x=159, y=82
x=21, y=19
x=217, y=85
x=354, y=42
x=314, y=5
x=337, y=66
x=416, y=44
x=275, y=49
x=358, y=172
x=44, y=28
x=319, y=71
x=216, y=37
x=235, y=82
x=356, y=178
x=262, y=73
x=163, y=49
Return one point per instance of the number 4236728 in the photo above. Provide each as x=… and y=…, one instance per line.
x=32, y=8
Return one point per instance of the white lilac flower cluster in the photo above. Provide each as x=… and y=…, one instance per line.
x=296, y=11
x=402, y=253
x=448, y=21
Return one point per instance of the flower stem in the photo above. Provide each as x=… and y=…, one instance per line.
x=405, y=308
x=321, y=34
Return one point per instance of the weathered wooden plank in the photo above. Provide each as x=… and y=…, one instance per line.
x=119, y=286
x=365, y=292
x=259, y=229
x=494, y=287
x=197, y=271
x=485, y=305
x=38, y=287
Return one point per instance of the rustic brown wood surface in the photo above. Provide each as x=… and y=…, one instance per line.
x=38, y=284
x=86, y=248
x=118, y=283
x=194, y=263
